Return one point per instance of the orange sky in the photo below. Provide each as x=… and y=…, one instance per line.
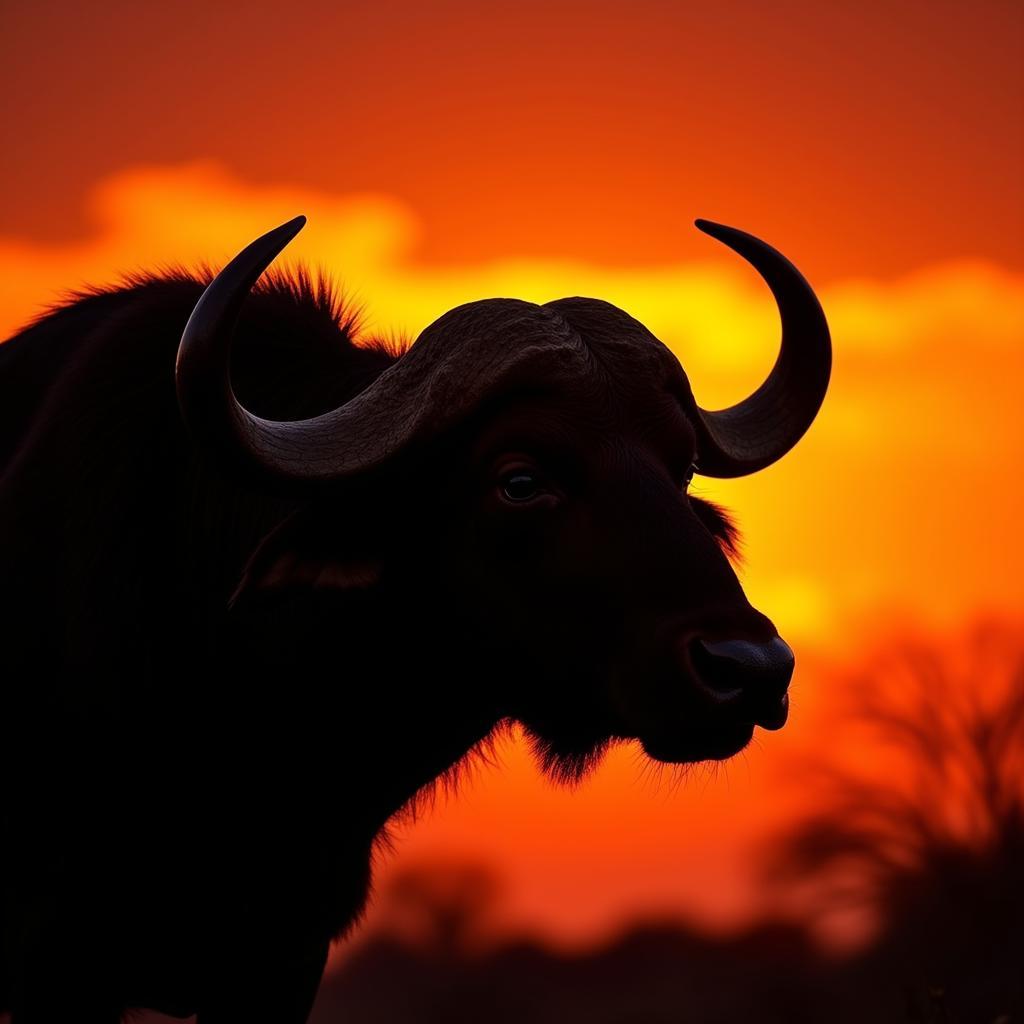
x=866, y=136
x=537, y=150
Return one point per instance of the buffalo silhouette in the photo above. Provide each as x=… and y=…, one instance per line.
x=248, y=619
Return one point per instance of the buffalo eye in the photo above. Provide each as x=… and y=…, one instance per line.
x=520, y=486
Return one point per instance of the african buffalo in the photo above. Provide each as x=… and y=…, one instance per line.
x=245, y=623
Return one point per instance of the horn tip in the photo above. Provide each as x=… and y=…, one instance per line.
x=270, y=244
x=294, y=226
x=709, y=227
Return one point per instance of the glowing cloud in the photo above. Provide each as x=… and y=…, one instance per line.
x=923, y=409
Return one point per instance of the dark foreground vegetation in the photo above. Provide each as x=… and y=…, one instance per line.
x=774, y=973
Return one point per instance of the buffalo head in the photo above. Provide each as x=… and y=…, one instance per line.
x=520, y=477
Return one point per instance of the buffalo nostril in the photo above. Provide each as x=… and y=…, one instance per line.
x=731, y=669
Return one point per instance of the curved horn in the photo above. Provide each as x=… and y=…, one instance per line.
x=205, y=396
x=463, y=355
x=763, y=427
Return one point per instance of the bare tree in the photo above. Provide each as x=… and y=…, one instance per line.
x=926, y=829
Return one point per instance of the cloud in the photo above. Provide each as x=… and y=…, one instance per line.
x=912, y=448
x=717, y=314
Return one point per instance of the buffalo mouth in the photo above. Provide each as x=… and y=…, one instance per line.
x=729, y=687
x=716, y=742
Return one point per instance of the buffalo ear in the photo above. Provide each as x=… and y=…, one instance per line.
x=298, y=555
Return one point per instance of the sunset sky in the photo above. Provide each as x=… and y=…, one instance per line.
x=457, y=150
